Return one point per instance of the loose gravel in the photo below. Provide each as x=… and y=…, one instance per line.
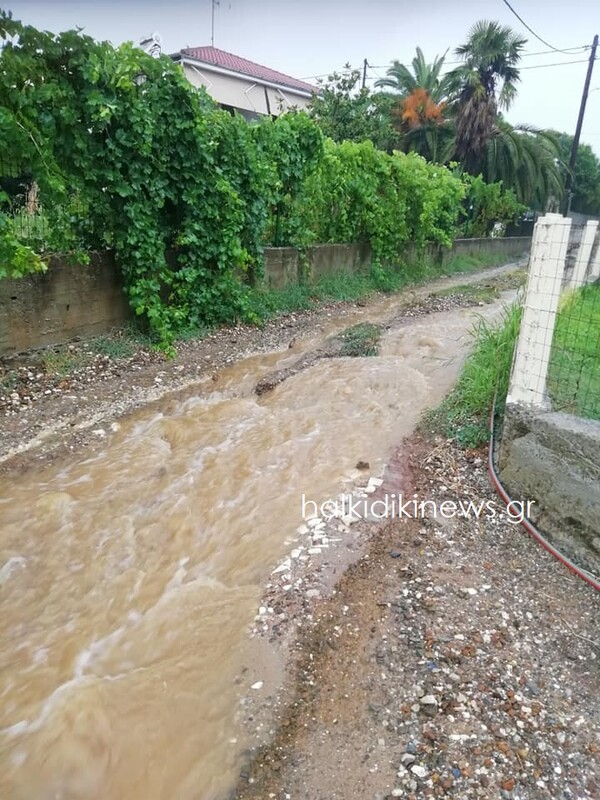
x=456, y=658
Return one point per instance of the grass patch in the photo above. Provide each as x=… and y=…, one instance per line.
x=486, y=292
x=478, y=292
x=471, y=263
x=8, y=382
x=63, y=363
x=464, y=414
x=360, y=341
x=574, y=369
x=264, y=303
x=117, y=346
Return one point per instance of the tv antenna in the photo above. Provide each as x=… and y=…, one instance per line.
x=214, y=4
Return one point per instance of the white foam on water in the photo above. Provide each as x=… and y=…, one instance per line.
x=11, y=566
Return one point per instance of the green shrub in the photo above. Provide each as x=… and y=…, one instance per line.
x=464, y=414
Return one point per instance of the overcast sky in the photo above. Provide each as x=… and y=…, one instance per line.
x=306, y=38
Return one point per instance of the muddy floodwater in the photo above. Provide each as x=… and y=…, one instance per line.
x=129, y=578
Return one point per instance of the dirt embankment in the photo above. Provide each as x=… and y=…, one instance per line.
x=455, y=659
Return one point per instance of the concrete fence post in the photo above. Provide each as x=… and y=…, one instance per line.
x=583, y=254
x=546, y=270
x=594, y=273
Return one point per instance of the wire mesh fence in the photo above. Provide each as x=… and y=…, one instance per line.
x=38, y=220
x=557, y=363
x=21, y=200
x=574, y=369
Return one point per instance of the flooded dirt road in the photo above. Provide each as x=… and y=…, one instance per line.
x=128, y=579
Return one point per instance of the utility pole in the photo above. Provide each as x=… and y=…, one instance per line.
x=364, y=80
x=574, y=149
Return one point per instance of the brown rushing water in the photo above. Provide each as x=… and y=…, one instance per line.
x=128, y=579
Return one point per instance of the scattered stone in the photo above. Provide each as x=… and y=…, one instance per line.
x=429, y=705
x=408, y=759
x=420, y=771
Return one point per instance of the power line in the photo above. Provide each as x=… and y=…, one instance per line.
x=373, y=67
x=539, y=38
x=344, y=70
x=568, y=50
x=557, y=64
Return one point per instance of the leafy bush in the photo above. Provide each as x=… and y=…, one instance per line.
x=359, y=193
x=487, y=205
x=126, y=154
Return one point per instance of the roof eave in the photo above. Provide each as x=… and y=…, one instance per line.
x=182, y=58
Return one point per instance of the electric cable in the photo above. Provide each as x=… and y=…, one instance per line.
x=539, y=38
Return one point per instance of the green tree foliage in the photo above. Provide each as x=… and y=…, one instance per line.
x=420, y=104
x=487, y=205
x=291, y=148
x=154, y=166
x=527, y=160
x=586, y=180
x=347, y=112
x=126, y=154
x=455, y=116
x=360, y=193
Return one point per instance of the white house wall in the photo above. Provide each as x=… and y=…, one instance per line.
x=243, y=93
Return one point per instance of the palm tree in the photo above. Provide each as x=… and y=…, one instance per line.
x=423, y=76
x=484, y=83
x=526, y=160
x=419, y=111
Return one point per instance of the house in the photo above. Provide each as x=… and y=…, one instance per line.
x=238, y=84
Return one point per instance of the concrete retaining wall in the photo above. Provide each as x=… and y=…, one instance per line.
x=286, y=266
x=61, y=304
x=71, y=301
x=554, y=459
x=509, y=246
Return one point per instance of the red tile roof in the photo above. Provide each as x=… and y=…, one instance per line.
x=220, y=58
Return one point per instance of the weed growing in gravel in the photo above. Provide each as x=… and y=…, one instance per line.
x=360, y=341
x=113, y=346
x=63, y=363
x=8, y=383
x=464, y=414
x=479, y=292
